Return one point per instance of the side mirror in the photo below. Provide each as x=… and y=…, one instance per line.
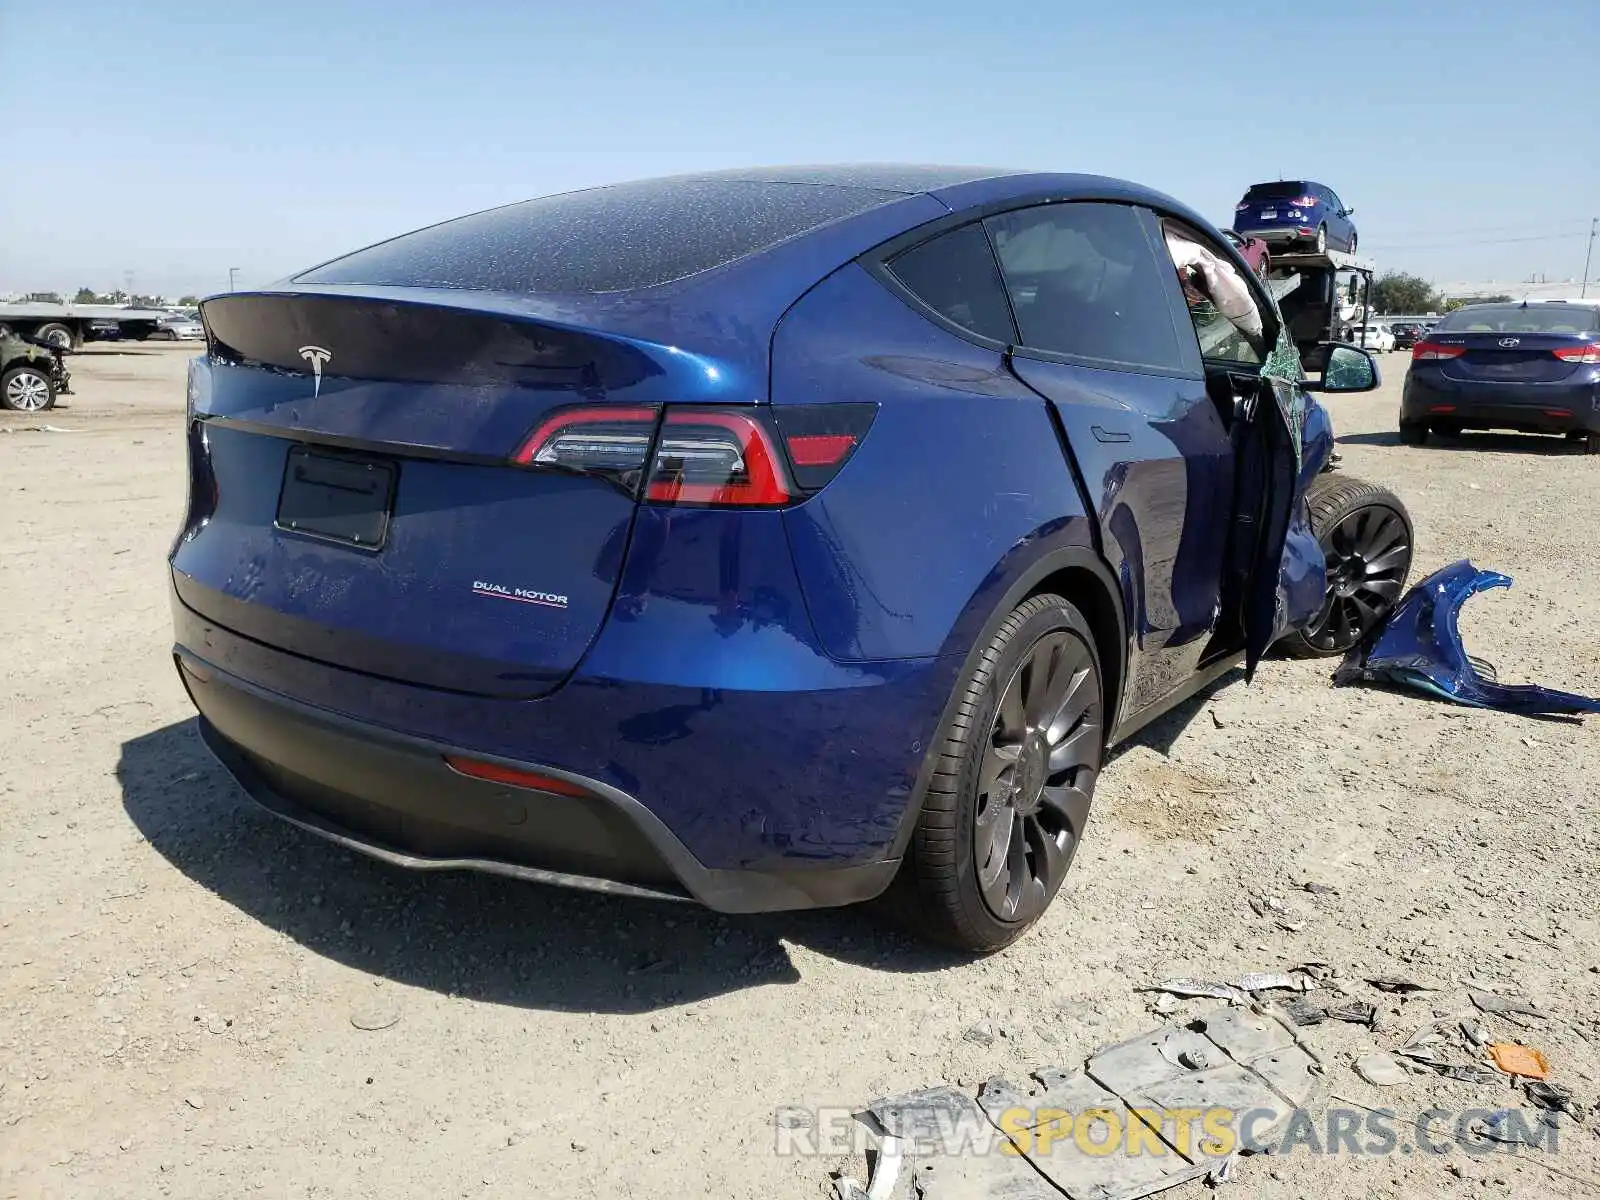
x=1346, y=369
x=1349, y=212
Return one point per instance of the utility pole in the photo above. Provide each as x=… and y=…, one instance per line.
x=232, y=272
x=1583, y=292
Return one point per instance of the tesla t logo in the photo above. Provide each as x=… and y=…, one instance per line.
x=316, y=356
x=1511, y=341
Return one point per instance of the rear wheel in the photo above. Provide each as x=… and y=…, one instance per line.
x=57, y=335
x=26, y=389
x=1366, y=538
x=1008, y=800
x=1352, y=241
x=1446, y=428
x=1322, y=239
x=1589, y=441
x=1413, y=433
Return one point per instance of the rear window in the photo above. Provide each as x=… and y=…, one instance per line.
x=1283, y=190
x=956, y=275
x=609, y=239
x=1514, y=318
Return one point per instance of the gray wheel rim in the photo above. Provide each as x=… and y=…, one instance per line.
x=1367, y=555
x=1036, y=777
x=28, y=392
x=58, y=339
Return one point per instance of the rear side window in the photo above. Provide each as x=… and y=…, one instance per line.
x=955, y=275
x=1083, y=281
x=609, y=239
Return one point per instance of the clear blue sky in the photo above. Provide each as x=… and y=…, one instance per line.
x=178, y=139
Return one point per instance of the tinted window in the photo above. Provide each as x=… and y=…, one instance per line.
x=1083, y=281
x=601, y=240
x=956, y=276
x=1513, y=318
x=1283, y=190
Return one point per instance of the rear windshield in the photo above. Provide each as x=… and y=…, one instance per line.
x=1514, y=318
x=1278, y=191
x=609, y=239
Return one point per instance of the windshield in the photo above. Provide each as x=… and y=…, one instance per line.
x=1517, y=318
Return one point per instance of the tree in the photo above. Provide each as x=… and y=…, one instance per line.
x=188, y=301
x=1398, y=292
x=85, y=296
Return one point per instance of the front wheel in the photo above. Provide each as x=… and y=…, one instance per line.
x=1366, y=539
x=1322, y=239
x=27, y=389
x=1009, y=797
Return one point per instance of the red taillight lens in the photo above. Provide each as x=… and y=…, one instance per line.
x=716, y=456
x=495, y=773
x=1578, y=354
x=1303, y=202
x=820, y=449
x=1427, y=351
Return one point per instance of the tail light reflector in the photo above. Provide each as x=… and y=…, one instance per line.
x=1428, y=351
x=1578, y=354
x=495, y=773
x=821, y=438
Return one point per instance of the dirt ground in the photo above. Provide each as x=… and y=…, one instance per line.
x=197, y=1001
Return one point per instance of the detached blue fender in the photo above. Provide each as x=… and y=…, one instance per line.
x=1420, y=647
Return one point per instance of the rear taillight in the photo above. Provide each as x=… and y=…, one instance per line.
x=716, y=456
x=1303, y=202
x=1243, y=206
x=1578, y=354
x=1427, y=351
x=710, y=456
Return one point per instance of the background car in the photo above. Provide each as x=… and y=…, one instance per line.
x=1406, y=334
x=1253, y=250
x=1298, y=215
x=1534, y=368
x=1375, y=336
x=179, y=329
x=32, y=373
x=718, y=537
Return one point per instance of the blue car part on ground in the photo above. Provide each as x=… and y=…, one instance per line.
x=1420, y=647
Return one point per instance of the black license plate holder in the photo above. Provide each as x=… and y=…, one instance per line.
x=342, y=498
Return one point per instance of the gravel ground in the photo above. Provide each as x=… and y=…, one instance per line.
x=199, y=1001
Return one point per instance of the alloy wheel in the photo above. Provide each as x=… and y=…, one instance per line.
x=1036, y=777
x=27, y=391
x=1367, y=555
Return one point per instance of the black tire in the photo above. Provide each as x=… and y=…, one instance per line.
x=1591, y=442
x=20, y=389
x=1449, y=429
x=57, y=335
x=1322, y=239
x=1015, y=765
x=1413, y=433
x=1367, y=539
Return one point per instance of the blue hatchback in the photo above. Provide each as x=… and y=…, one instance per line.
x=768, y=538
x=1296, y=214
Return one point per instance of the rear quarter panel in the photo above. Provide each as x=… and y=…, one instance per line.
x=960, y=486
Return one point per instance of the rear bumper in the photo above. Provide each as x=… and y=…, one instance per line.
x=1528, y=408
x=393, y=797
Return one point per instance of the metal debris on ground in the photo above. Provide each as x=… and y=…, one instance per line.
x=1238, y=991
x=1420, y=647
x=1555, y=1097
x=1238, y=1058
x=1381, y=1070
x=1516, y=1059
x=1399, y=986
x=1355, y=1012
x=1504, y=1005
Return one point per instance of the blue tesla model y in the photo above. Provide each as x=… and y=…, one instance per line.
x=771, y=539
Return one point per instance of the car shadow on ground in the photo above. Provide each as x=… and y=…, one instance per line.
x=1163, y=733
x=1503, y=443
x=463, y=934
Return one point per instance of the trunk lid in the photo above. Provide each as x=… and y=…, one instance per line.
x=1510, y=357
x=354, y=497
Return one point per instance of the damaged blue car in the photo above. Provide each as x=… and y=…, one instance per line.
x=770, y=538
